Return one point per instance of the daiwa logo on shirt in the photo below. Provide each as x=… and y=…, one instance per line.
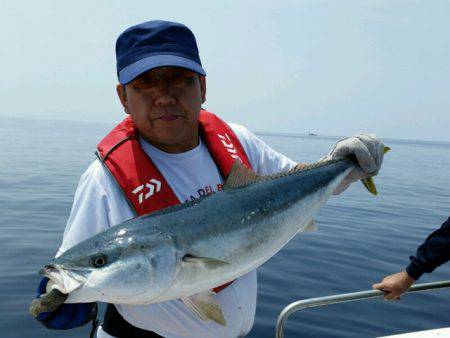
x=226, y=141
x=153, y=187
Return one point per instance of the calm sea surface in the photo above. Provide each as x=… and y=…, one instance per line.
x=360, y=237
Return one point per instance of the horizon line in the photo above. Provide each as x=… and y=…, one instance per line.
x=257, y=132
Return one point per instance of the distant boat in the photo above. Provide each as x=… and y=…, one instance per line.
x=310, y=133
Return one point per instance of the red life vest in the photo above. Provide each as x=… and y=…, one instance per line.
x=143, y=185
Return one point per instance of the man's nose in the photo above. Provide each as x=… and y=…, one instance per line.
x=164, y=98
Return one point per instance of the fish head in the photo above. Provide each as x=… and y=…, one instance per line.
x=124, y=269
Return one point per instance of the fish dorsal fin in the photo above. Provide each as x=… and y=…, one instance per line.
x=206, y=307
x=240, y=176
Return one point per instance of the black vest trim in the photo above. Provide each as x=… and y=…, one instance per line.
x=116, y=326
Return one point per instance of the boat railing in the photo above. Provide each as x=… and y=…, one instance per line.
x=342, y=298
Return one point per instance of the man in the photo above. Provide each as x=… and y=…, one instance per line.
x=168, y=151
x=431, y=254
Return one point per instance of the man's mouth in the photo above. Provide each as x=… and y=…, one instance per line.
x=169, y=117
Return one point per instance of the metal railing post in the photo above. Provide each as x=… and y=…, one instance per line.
x=342, y=298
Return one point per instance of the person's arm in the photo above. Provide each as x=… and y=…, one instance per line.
x=368, y=150
x=434, y=252
x=98, y=204
x=431, y=254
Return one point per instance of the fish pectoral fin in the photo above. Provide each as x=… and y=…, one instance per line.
x=204, y=262
x=205, y=305
x=370, y=185
x=241, y=176
x=310, y=227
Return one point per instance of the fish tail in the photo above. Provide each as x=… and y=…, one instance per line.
x=369, y=182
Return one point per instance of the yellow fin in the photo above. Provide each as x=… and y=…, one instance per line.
x=370, y=185
x=240, y=176
x=205, y=305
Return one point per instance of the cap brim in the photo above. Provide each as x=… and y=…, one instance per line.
x=135, y=69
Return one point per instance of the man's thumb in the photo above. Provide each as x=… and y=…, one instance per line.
x=376, y=286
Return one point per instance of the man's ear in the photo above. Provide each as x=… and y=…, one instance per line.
x=122, y=94
x=203, y=87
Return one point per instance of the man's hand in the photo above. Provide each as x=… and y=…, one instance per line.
x=368, y=150
x=394, y=285
x=66, y=316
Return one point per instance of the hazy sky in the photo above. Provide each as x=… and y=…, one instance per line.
x=334, y=67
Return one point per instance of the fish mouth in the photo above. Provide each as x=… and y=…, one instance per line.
x=63, y=279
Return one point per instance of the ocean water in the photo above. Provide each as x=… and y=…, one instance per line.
x=360, y=237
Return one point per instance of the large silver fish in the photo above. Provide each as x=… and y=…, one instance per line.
x=186, y=250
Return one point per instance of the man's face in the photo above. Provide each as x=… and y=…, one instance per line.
x=164, y=104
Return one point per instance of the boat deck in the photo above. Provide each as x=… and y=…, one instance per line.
x=441, y=333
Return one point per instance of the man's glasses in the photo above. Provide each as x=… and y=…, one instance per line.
x=178, y=77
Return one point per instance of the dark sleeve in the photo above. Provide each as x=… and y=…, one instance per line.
x=434, y=252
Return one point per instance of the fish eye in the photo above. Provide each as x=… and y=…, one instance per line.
x=98, y=261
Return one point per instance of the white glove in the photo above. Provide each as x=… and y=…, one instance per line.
x=368, y=151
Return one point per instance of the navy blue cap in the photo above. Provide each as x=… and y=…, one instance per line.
x=154, y=44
